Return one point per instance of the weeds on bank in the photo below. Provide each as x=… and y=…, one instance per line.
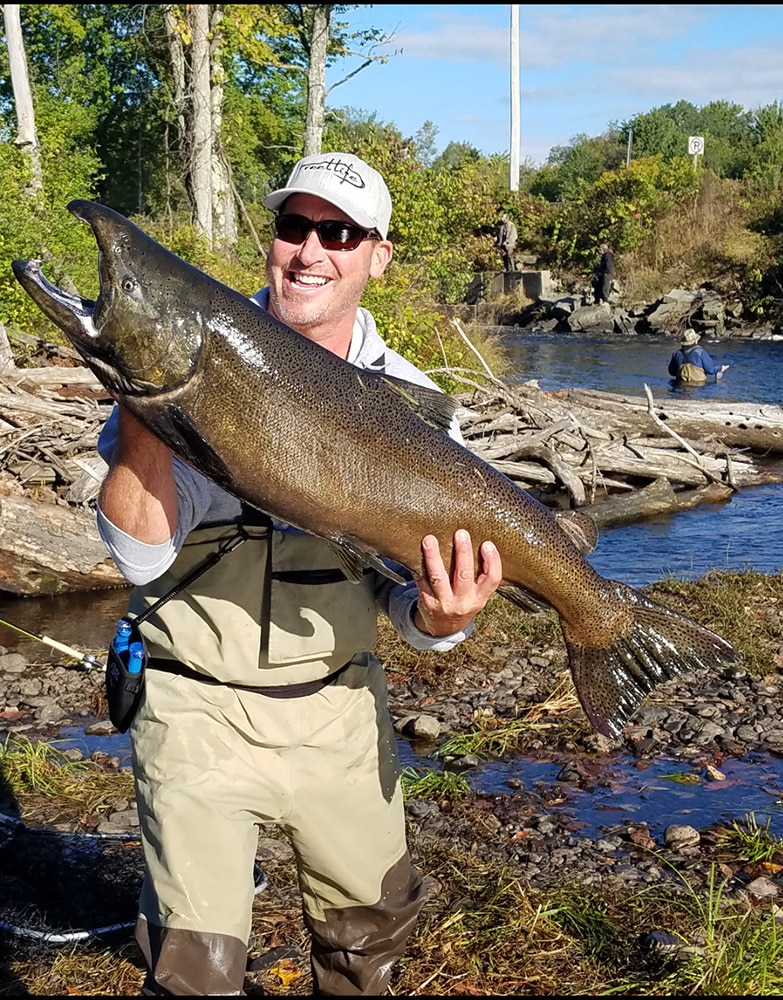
x=80, y=972
x=493, y=737
x=736, y=946
x=745, y=841
x=745, y=608
x=499, y=625
x=434, y=784
x=486, y=934
x=41, y=777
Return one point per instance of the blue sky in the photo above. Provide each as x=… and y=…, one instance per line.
x=582, y=66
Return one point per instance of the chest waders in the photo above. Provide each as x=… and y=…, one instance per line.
x=263, y=703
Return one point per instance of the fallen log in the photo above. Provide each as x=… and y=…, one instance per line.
x=48, y=549
x=656, y=499
x=748, y=425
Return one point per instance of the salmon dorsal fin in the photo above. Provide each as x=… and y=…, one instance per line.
x=354, y=559
x=580, y=528
x=432, y=406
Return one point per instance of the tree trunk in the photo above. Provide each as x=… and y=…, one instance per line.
x=201, y=152
x=316, y=79
x=7, y=362
x=26, y=135
x=177, y=57
x=224, y=212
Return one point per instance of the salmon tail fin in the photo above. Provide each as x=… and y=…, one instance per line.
x=612, y=681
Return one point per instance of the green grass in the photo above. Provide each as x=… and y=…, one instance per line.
x=418, y=784
x=47, y=783
x=747, y=842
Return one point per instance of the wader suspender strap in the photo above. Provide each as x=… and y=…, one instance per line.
x=209, y=562
x=124, y=688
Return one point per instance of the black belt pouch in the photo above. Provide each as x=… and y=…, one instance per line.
x=124, y=689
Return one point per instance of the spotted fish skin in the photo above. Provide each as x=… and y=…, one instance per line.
x=357, y=457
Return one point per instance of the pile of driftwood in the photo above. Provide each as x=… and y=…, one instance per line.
x=623, y=458
x=619, y=458
x=50, y=473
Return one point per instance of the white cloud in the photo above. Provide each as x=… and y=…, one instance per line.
x=457, y=39
x=549, y=35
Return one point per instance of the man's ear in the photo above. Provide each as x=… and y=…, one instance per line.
x=382, y=252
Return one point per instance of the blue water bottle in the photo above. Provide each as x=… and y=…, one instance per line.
x=135, y=658
x=122, y=637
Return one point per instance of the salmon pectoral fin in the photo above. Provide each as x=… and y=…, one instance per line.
x=580, y=528
x=354, y=558
x=612, y=681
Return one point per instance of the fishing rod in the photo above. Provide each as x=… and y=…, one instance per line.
x=87, y=660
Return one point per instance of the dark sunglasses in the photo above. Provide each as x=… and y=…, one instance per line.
x=333, y=235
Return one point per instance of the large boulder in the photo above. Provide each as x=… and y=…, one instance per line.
x=598, y=317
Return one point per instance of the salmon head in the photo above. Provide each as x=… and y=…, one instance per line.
x=134, y=336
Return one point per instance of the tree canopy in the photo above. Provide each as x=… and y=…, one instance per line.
x=114, y=90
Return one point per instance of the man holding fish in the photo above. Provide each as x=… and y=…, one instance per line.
x=263, y=700
x=316, y=475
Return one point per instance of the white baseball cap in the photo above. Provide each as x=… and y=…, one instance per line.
x=346, y=182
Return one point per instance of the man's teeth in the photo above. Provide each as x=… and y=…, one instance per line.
x=310, y=279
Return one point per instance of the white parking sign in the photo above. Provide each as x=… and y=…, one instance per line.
x=696, y=145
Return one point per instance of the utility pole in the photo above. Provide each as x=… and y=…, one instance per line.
x=513, y=181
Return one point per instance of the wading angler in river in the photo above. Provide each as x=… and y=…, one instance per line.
x=356, y=494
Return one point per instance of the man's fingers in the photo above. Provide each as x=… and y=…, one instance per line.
x=436, y=574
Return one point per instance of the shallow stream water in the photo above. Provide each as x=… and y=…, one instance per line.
x=743, y=533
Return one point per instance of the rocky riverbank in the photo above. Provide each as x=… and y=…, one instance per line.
x=704, y=309
x=510, y=673
x=701, y=719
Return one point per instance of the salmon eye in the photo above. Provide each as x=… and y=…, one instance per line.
x=127, y=284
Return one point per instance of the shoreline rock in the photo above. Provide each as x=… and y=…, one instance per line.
x=702, y=309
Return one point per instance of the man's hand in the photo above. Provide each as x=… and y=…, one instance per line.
x=448, y=604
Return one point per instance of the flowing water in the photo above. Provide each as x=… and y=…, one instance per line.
x=743, y=533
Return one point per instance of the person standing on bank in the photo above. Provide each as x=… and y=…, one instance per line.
x=263, y=701
x=507, y=241
x=604, y=275
x=691, y=363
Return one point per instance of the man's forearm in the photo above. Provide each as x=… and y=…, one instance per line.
x=139, y=494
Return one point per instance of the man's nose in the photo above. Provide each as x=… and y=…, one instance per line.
x=311, y=250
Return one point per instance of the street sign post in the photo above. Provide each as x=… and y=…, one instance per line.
x=696, y=147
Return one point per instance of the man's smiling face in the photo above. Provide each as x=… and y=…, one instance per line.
x=317, y=291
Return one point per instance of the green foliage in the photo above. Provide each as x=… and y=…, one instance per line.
x=42, y=228
x=244, y=273
x=440, y=214
x=621, y=208
x=584, y=160
x=725, y=127
x=104, y=99
x=748, y=843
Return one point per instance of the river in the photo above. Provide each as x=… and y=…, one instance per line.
x=740, y=534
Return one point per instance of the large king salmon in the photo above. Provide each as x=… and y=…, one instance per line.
x=356, y=457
